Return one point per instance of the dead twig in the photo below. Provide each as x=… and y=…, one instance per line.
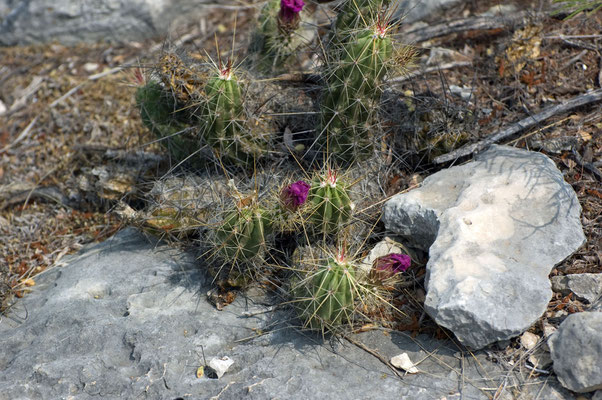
x=567, y=106
x=461, y=25
x=589, y=167
x=428, y=70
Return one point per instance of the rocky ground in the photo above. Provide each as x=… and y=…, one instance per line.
x=70, y=135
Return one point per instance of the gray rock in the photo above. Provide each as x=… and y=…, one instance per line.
x=73, y=21
x=416, y=10
x=577, y=352
x=128, y=319
x=494, y=228
x=584, y=286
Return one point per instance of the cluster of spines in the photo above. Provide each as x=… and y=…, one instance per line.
x=330, y=206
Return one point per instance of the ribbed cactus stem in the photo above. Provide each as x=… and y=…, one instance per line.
x=159, y=113
x=276, y=39
x=329, y=202
x=223, y=119
x=353, y=16
x=352, y=95
x=327, y=299
x=243, y=232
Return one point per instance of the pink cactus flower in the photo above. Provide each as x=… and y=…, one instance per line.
x=294, y=195
x=391, y=264
x=289, y=10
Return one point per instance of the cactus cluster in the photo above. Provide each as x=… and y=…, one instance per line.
x=209, y=107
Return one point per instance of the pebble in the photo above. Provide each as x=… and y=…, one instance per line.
x=529, y=340
x=402, y=361
x=90, y=67
x=220, y=365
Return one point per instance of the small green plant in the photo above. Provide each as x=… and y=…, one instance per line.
x=242, y=234
x=352, y=95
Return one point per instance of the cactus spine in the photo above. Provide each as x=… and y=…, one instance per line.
x=352, y=95
x=325, y=300
x=242, y=233
x=329, y=202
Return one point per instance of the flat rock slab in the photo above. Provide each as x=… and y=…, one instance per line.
x=129, y=319
x=75, y=21
x=494, y=228
x=577, y=352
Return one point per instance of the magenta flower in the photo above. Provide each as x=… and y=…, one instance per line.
x=290, y=9
x=294, y=195
x=392, y=264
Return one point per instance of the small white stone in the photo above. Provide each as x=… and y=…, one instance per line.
x=2, y=108
x=529, y=340
x=90, y=67
x=220, y=365
x=402, y=361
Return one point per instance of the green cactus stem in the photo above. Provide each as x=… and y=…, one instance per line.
x=329, y=202
x=352, y=95
x=352, y=16
x=242, y=233
x=159, y=113
x=224, y=121
x=325, y=300
x=277, y=38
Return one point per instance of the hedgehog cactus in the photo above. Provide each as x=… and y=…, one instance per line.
x=224, y=121
x=277, y=40
x=158, y=113
x=329, y=202
x=242, y=233
x=325, y=299
x=351, y=97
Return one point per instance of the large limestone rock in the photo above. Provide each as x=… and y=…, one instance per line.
x=128, y=319
x=73, y=21
x=577, y=352
x=494, y=228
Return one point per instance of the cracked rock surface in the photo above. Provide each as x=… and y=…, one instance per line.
x=494, y=228
x=128, y=319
